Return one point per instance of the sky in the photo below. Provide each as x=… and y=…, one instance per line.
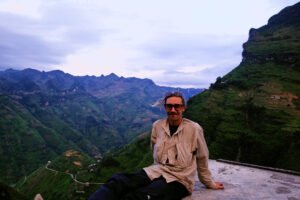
x=173, y=42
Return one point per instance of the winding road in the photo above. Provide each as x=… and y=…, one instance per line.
x=71, y=175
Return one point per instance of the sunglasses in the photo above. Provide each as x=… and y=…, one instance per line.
x=170, y=106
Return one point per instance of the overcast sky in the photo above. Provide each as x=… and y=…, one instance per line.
x=173, y=42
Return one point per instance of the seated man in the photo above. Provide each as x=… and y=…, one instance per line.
x=179, y=152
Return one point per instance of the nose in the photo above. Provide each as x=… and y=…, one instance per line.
x=173, y=109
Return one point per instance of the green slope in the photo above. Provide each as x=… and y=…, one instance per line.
x=59, y=184
x=23, y=141
x=45, y=113
x=130, y=158
x=253, y=113
x=55, y=180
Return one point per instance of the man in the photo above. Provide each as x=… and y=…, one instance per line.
x=179, y=151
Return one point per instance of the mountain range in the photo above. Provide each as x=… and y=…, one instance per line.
x=43, y=114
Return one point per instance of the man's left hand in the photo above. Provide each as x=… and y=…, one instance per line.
x=217, y=186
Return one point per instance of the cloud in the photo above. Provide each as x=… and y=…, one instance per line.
x=193, y=78
x=188, y=60
x=47, y=40
x=21, y=50
x=194, y=48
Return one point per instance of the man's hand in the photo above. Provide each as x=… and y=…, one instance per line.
x=217, y=186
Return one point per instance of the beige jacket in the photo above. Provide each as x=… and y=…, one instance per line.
x=179, y=157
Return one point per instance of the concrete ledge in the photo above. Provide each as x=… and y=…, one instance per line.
x=260, y=167
x=247, y=182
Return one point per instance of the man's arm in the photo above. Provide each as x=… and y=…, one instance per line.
x=153, y=137
x=202, y=156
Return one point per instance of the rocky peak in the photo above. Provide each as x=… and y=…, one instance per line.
x=277, y=41
x=289, y=15
x=112, y=76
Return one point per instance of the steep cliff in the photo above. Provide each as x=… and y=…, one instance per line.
x=252, y=114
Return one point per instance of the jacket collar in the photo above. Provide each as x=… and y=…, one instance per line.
x=165, y=126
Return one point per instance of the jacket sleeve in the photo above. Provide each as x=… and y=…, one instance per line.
x=153, y=136
x=153, y=141
x=202, y=155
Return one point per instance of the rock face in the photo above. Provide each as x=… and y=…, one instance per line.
x=252, y=114
x=278, y=41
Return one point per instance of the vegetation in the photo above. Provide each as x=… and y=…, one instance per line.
x=43, y=114
x=56, y=182
x=58, y=179
x=132, y=157
x=252, y=114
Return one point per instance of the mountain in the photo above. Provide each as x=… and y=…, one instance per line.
x=252, y=114
x=42, y=114
x=75, y=175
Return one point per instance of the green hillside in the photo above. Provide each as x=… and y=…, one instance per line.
x=20, y=137
x=252, y=114
x=130, y=158
x=55, y=181
x=43, y=114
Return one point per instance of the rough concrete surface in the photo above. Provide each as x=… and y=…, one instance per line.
x=248, y=183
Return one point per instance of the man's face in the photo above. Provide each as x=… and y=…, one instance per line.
x=174, y=108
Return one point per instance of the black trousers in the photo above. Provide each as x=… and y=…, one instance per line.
x=137, y=186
